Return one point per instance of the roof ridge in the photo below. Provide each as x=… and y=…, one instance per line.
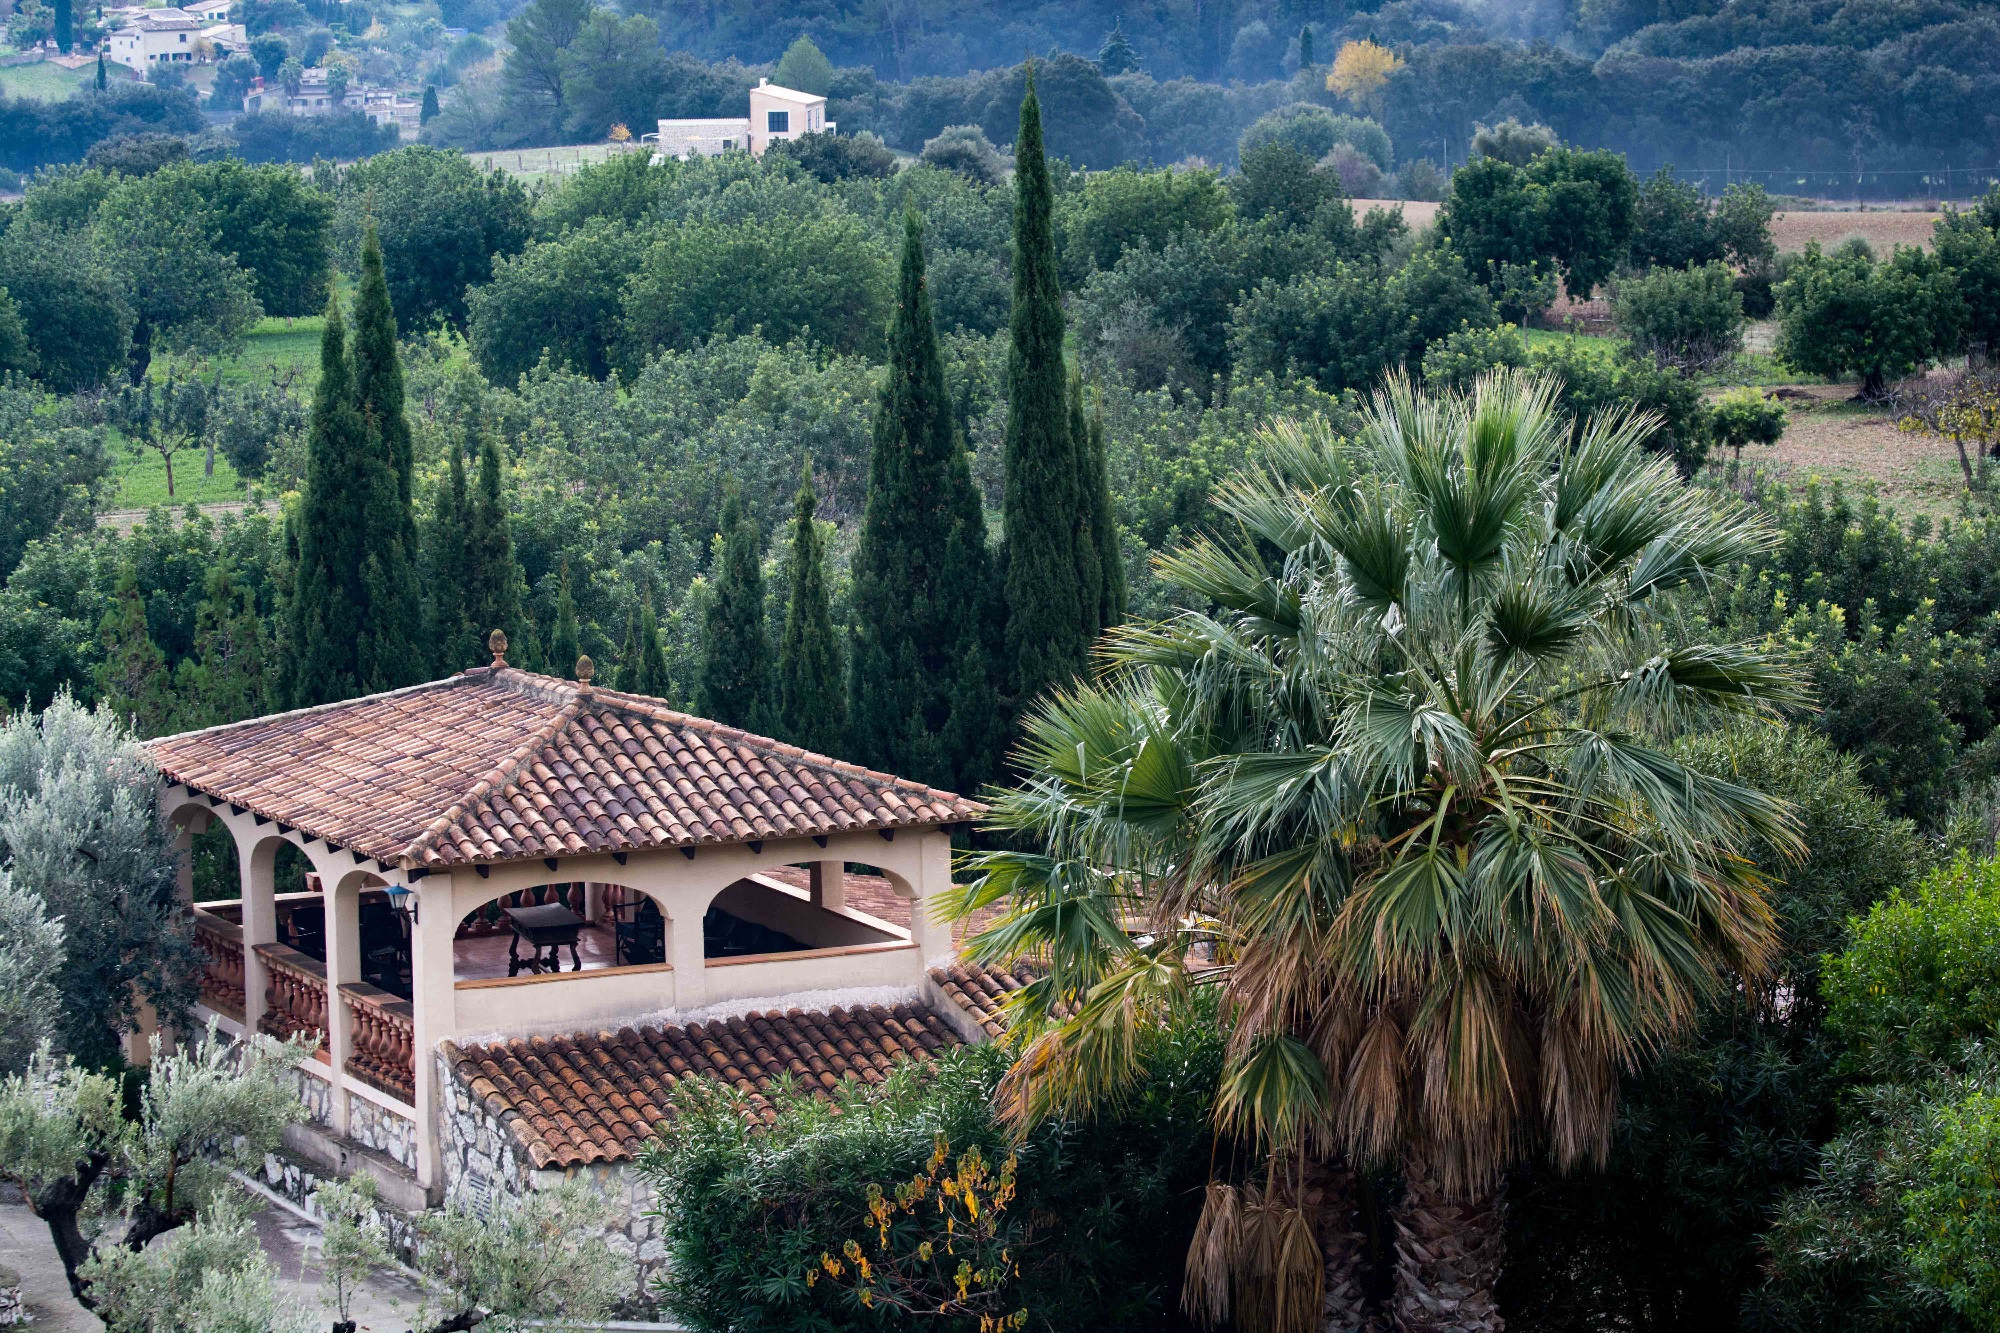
x=265, y=719
x=647, y=706
x=500, y=775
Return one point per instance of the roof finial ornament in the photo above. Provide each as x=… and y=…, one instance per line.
x=585, y=669
x=497, y=642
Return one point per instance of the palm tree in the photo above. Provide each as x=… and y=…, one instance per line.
x=1403, y=794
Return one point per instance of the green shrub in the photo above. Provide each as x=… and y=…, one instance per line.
x=1691, y=318
x=1463, y=356
x=1745, y=416
x=1105, y=1208
x=1922, y=977
x=1954, y=1217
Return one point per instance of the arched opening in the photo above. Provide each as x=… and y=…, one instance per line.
x=560, y=927
x=808, y=905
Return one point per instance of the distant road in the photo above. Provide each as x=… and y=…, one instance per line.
x=127, y=519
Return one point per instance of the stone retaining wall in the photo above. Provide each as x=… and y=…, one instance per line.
x=299, y=1180
x=482, y=1160
x=384, y=1131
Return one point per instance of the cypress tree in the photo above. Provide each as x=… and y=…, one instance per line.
x=65, y=32
x=133, y=680
x=429, y=110
x=1046, y=643
x=812, y=696
x=378, y=370
x=735, y=651
x=327, y=599
x=1089, y=567
x=451, y=630
x=391, y=629
x=921, y=699
x=642, y=667
x=224, y=680
x=1097, y=491
x=492, y=579
x=102, y=81
x=566, y=642
x=1306, y=47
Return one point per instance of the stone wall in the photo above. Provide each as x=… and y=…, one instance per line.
x=384, y=1131
x=13, y=1309
x=317, y=1094
x=482, y=1159
x=299, y=1180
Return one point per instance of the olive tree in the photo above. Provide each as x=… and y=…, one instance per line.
x=208, y=1108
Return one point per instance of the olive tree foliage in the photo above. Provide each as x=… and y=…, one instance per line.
x=212, y=1278
x=80, y=832
x=210, y=1107
x=539, y=1256
x=31, y=952
x=353, y=1241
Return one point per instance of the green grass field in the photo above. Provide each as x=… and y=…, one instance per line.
x=276, y=345
x=142, y=479
x=45, y=80
x=1595, y=342
x=536, y=164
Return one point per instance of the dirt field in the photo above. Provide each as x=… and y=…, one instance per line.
x=1830, y=438
x=1791, y=231
x=1884, y=230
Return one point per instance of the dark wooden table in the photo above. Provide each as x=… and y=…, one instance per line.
x=547, y=927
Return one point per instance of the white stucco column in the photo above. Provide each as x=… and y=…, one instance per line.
x=258, y=865
x=828, y=883
x=434, y=1001
x=933, y=877
x=340, y=895
x=685, y=953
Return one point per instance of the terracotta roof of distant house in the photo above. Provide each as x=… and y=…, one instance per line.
x=498, y=764
x=980, y=990
x=596, y=1097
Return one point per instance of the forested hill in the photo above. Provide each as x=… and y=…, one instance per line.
x=1798, y=90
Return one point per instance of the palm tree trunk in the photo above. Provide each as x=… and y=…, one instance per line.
x=1329, y=1197
x=1447, y=1257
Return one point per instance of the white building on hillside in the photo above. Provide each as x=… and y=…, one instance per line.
x=147, y=38
x=775, y=113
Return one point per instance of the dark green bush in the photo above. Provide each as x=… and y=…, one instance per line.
x=1110, y=1203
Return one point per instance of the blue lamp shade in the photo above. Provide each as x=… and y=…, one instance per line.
x=399, y=896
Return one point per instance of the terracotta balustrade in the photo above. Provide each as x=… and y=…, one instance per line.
x=220, y=944
x=295, y=994
x=382, y=1040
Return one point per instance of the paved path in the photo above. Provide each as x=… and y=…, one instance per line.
x=387, y=1304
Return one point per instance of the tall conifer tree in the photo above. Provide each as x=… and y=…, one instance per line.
x=566, y=641
x=389, y=634
x=1096, y=486
x=812, y=695
x=450, y=627
x=921, y=700
x=642, y=666
x=133, y=680
x=492, y=578
x=1046, y=642
x=1089, y=565
x=225, y=678
x=327, y=601
x=735, y=650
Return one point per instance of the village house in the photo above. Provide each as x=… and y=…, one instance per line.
x=384, y=106
x=533, y=905
x=147, y=38
x=775, y=113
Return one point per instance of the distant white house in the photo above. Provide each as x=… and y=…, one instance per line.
x=144, y=39
x=775, y=113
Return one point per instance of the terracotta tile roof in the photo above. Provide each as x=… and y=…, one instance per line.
x=571, y=1101
x=498, y=764
x=979, y=990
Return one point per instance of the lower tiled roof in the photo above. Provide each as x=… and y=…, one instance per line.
x=597, y=1097
x=980, y=990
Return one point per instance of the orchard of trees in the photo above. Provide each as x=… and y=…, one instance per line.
x=1241, y=549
